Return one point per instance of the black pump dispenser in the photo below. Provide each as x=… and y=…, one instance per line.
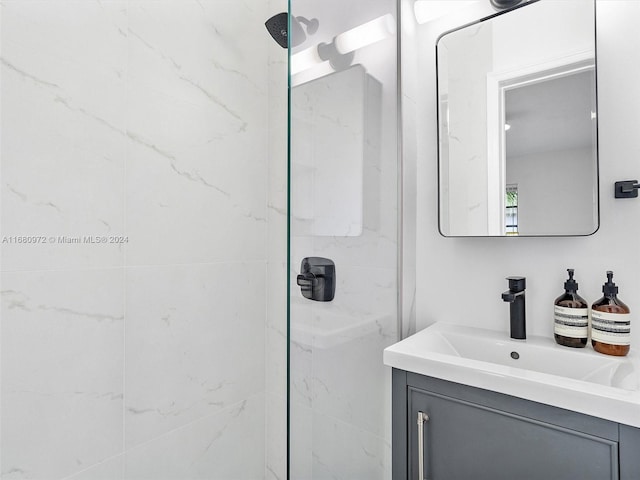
x=570, y=286
x=571, y=316
x=610, y=322
x=609, y=288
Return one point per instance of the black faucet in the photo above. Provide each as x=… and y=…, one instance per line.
x=515, y=296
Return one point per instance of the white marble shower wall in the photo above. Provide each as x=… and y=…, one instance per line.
x=146, y=123
x=276, y=324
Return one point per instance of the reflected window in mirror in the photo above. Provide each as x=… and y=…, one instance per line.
x=511, y=210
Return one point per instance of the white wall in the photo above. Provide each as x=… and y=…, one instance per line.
x=460, y=280
x=409, y=90
x=564, y=34
x=146, y=119
x=555, y=191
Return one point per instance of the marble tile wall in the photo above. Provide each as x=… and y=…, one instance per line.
x=276, y=324
x=145, y=122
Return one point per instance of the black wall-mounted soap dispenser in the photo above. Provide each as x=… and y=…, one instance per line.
x=317, y=279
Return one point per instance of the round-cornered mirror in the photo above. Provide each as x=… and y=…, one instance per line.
x=517, y=123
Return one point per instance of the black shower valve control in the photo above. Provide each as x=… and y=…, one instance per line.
x=317, y=279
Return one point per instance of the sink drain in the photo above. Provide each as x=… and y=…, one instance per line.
x=515, y=355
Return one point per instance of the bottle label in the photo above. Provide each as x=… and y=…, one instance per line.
x=571, y=322
x=611, y=328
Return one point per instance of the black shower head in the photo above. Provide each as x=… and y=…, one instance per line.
x=278, y=27
x=504, y=4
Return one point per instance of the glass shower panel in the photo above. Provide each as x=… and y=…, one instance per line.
x=343, y=209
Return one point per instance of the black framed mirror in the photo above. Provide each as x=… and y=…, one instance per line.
x=517, y=123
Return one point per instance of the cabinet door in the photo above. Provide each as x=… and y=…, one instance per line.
x=465, y=441
x=629, y=453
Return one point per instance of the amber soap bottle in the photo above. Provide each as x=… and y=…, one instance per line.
x=571, y=316
x=610, y=322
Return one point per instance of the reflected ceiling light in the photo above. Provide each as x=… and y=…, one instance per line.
x=427, y=10
x=507, y=127
x=339, y=54
x=319, y=71
x=305, y=59
x=371, y=32
x=593, y=115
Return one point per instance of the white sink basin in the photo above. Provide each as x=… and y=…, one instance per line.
x=577, y=379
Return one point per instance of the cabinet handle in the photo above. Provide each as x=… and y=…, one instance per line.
x=422, y=418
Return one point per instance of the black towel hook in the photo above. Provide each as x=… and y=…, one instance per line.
x=626, y=189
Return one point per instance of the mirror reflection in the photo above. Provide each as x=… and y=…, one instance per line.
x=518, y=123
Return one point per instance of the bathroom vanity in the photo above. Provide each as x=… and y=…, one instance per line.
x=465, y=411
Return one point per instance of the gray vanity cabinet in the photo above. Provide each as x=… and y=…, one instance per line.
x=477, y=434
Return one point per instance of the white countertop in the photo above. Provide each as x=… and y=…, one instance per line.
x=460, y=354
